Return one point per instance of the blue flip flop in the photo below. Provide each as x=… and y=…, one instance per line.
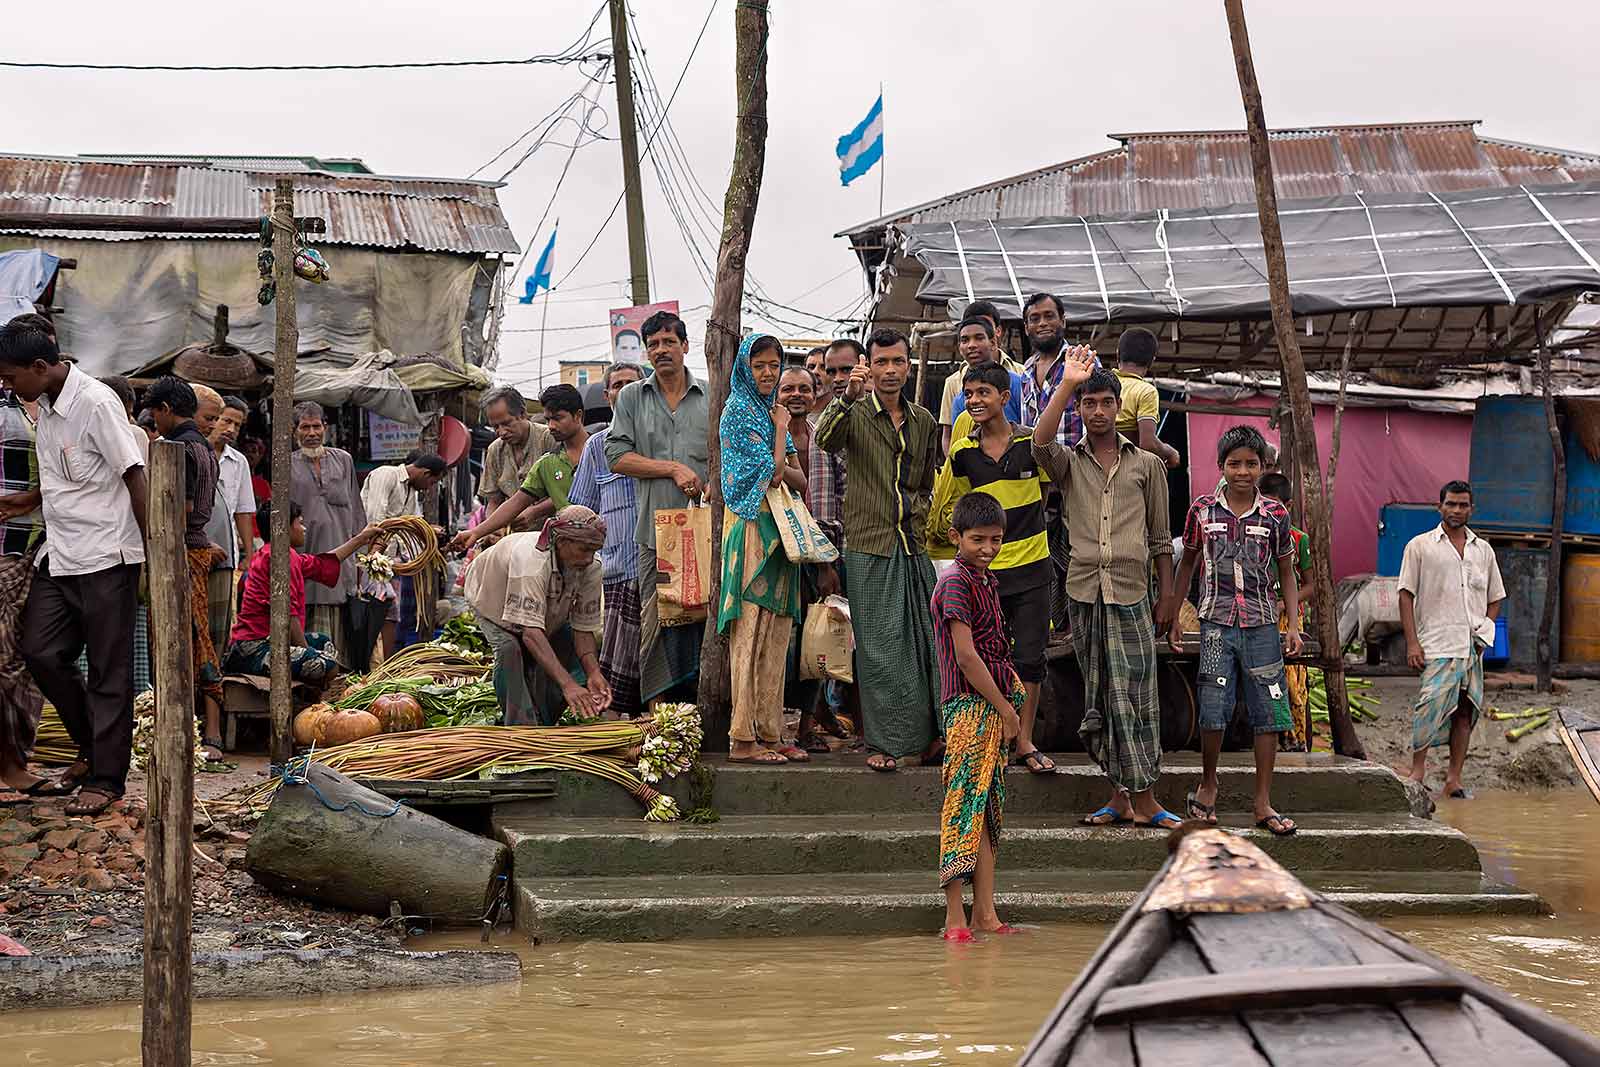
x=1164, y=820
x=1092, y=819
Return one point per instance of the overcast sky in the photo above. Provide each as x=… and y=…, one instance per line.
x=973, y=93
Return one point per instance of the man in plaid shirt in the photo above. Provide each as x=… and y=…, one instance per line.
x=1044, y=321
x=1243, y=540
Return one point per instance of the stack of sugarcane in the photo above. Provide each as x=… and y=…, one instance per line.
x=631, y=753
x=1363, y=704
x=1527, y=720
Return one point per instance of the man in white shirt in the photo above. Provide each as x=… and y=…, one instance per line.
x=389, y=493
x=233, y=518
x=1450, y=593
x=86, y=587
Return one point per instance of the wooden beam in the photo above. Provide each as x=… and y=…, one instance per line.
x=46, y=220
x=1345, y=740
x=1274, y=988
x=286, y=348
x=751, y=32
x=169, y=827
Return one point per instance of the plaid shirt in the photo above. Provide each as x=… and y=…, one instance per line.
x=610, y=496
x=825, y=488
x=1239, y=584
x=1036, y=398
x=19, y=472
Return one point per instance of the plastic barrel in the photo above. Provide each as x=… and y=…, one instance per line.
x=1582, y=515
x=1580, y=609
x=1397, y=525
x=1500, y=651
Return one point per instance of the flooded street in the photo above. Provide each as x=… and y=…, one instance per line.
x=829, y=1000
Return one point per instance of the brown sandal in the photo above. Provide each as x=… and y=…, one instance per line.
x=761, y=755
x=91, y=802
x=794, y=754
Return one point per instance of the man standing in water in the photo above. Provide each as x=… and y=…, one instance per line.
x=658, y=438
x=891, y=447
x=1450, y=594
x=1115, y=496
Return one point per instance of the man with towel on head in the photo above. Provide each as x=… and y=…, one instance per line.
x=537, y=598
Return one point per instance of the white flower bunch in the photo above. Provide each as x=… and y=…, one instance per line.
x=662, y=809
x=144, y=732
x=672, y=741
x=378, y=565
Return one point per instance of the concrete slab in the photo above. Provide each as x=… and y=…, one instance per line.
x=670, y=907
x=842, y=784
x=782, y=844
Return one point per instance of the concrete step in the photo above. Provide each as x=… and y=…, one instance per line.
x=668, y=907
x=797, y=844
x=843, y=784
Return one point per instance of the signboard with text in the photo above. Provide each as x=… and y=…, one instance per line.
x=627, y=333
x=389, y=439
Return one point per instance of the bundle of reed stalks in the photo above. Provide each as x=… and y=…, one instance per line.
x=54, y=747
x=440, y=663
x=456, y=752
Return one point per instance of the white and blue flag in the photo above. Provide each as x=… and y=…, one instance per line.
x=542, y=270
x=863, y=146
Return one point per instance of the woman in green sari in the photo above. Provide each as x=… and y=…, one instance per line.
x=760, y=598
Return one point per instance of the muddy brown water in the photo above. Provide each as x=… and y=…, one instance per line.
x=822, y=1000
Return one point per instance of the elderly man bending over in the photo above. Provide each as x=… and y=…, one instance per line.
x=537, y=599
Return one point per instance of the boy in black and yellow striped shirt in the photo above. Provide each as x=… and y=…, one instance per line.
x=997, y=458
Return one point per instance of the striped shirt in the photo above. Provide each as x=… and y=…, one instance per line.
x=1018, y=482
x=1116, y=520
x=891, y=472
x=611, y=495
x=967, y=594
x=825, y=488
x=19, y=473
x=1239, y=554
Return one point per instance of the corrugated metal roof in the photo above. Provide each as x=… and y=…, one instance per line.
x=1211, y=168
x=373, y=211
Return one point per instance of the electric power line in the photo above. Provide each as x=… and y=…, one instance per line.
x=648, y=144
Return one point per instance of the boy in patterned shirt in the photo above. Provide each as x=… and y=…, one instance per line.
x=1243, y=540
x=980, y=695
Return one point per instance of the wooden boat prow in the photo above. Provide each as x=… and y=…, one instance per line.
x=1581, y=736
x=1226, y=960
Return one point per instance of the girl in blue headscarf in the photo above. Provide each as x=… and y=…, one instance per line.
x=760, y=598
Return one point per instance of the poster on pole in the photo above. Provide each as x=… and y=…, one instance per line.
x=627, y=333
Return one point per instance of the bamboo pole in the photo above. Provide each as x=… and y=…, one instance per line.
x=281, y=701
x=723, y=327
x=1345, y=741
x=169, y=824
x=1552, y=587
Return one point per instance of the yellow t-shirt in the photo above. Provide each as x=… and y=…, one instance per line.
x=1139, y=401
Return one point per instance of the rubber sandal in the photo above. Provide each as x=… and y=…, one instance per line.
x=1163, y=820
x=960, y=935
x=815, y=744
x=1202, y=812
x=1277, y=831
x=885, y=765
x=1036, y=762
x=45, y=787
x=1094, y=818
x=794, y=754
x=212, y=743
x=1455, y=794
x=1004, y=930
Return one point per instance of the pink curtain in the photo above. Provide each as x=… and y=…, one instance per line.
x=1388, y=455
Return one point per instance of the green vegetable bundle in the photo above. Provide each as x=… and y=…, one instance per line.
x=1363, y=704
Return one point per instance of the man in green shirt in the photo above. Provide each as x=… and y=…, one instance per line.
x=891, y=449
x=544, y=490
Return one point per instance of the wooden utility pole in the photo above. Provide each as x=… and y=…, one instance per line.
x=632, y=190
x=169, y=822
x=281, y=700
x=1345, y=741
x=1552, y=589
x=723, y=329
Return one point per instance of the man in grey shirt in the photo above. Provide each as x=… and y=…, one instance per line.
x=658, y=437
x=322, y=480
